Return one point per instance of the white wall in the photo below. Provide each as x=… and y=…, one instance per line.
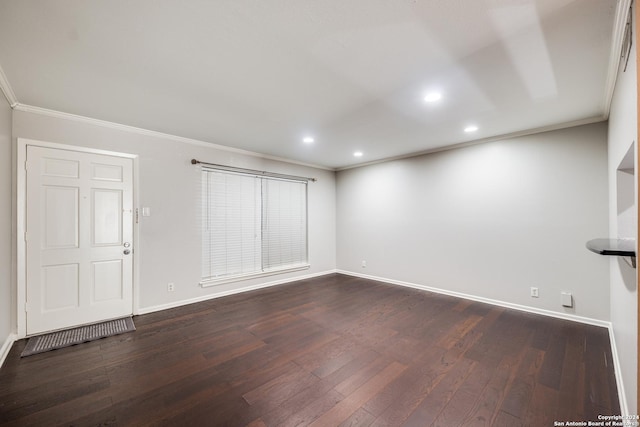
x=169, y=246
x=6, y=294
x=489, y=220
x=624, y=299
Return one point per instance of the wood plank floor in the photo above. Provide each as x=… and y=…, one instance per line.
x=330, y=351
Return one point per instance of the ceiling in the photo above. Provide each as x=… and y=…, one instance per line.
x=261, y=75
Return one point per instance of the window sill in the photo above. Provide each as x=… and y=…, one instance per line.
x=206, y=283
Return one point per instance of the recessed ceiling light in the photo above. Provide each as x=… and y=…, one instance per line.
x=433, y=97
x=308, y=139
x=471, y=128
x=357, y=154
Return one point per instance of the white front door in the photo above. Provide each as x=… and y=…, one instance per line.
x=79, y=231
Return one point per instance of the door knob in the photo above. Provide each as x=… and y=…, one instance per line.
x=126, y=252
x=127, y=244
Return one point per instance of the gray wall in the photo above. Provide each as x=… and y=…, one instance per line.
x=6, y=294
x=489, y=220
x=170, y=244
x=624, y=293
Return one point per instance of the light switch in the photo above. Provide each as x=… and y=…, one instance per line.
x=146, y=211
x=567, y=299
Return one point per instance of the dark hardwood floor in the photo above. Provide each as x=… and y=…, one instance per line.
x=331, y=351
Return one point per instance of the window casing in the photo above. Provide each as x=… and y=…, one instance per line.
x=251, y=226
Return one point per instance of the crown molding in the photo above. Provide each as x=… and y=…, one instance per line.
x=13, y=102
x=132, y=129
x=518, y=134
x=619, y=24
x=7, y=90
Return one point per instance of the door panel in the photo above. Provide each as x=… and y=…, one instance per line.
x=79, y=238
x=107, y=217
x=60, y=287
x=107, y=280
x=106, y=172
x=59, y=215
x=60, y=168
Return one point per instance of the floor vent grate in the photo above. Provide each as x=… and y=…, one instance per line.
x=69, y=337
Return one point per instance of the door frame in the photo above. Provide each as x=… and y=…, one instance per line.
x=21, y=209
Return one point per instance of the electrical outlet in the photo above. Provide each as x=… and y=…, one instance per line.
x=170, y=287
x=364, y=264
x=534, y=292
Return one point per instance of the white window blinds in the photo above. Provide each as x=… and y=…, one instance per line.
x=251, y=225
x=284, y=223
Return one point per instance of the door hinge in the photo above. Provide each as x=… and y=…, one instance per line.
x=26, y=165
x=137, y=216
x=25, y=236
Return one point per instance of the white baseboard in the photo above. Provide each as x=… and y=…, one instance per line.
x=564, y=316
x=152, y=309
x=6, y=347
x=624, y=407
x=534, y=310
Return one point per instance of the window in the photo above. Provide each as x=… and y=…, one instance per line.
x=252, y=225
